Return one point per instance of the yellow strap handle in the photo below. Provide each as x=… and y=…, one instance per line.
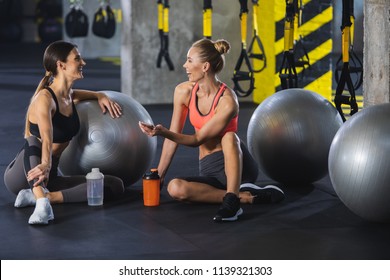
x=160, y=21
x=296, y=27
x=352, y=30
x=345, y=43
x=207, y=23
x=255, y=24
x=289, y=29
x=244, y=19
x=297, y=22
x=288, y=35
x=166, y=20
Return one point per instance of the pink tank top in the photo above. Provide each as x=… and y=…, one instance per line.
x=197, y=119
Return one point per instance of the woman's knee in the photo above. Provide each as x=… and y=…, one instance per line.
x=177, y=189
x=231, y=145
x=230, y=140
x=15, y=176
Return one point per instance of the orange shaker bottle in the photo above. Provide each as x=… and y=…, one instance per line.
x=151, y=188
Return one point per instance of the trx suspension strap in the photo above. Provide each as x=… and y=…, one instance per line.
x=355, y=64
x=256, y=39
x=207, y=19
x=240, y=75
x=299, y=47
x=288, y=73
x=345, y=77
x=163, y=29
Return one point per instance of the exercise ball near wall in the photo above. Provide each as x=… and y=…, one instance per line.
x=290, y=133
x=117, y=146
x=359, y=163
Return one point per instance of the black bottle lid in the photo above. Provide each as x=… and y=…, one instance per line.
x=151, y=175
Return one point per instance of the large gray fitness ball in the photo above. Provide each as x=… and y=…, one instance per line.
x=117, y=146
x=290, y=133
x=359, y=163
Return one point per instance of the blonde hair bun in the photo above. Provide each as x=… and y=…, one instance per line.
x=222, y=46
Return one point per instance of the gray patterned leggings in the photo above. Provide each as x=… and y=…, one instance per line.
x=73, y=188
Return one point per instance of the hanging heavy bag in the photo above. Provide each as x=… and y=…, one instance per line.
x=76, y=23
x=104, y=23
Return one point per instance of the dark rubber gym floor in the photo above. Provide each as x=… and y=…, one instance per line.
x=312, y=223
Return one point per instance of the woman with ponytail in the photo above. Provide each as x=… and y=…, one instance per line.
x=51, y=122
x=227, y=170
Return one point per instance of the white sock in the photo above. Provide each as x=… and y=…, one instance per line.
x=43, y=212
x=25, y=198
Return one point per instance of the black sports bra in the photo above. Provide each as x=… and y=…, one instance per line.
x=64, y=128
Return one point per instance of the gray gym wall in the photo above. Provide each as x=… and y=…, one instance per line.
x=149, y=84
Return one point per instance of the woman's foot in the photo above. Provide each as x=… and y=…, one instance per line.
x=43, y=212
x=229, y=210
x=25, y=198
x=263, y=195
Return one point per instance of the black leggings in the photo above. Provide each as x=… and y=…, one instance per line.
x=73, y=188
x=212, y=169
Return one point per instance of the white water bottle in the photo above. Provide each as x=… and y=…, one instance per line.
x=95, y=186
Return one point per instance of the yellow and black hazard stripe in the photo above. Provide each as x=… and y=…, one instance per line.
x=315, y=33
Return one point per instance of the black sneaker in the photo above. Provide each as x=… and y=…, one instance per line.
x=229, y=210
x=263, y=195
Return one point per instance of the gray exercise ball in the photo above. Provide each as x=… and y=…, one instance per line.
x=116, y=146
x=359, y=163
x=290, y=133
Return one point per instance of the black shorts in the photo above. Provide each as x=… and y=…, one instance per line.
x=212, y=169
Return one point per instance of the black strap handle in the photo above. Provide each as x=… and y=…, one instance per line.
x=343, y=99
x=288, y=73
x=256, y=39
x=355, y=69
x=240, y=75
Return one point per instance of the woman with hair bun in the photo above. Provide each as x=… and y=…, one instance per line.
x=227, y=171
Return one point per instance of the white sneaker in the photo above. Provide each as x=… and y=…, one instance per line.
x=43, y=212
